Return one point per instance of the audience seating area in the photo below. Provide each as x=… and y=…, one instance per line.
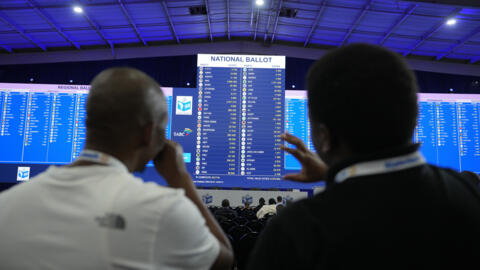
x=242, y=230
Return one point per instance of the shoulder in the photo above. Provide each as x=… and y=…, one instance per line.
x=25, y=190
x=290, y=239
x=138, y=195
x=454, y=182
x=307, y=214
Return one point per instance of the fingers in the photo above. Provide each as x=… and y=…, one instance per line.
x=294, y=140
x=173, y=145
x=169, y=150
x=295, y=152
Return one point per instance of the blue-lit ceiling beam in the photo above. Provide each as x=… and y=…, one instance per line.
x=474, y=60
x=459, y=43
x=256, y=25
x=50, y=22
x=268, y=22
x=356, y=22
x=170, y=22
x=21, y=32
x=99, y=32
x=315, y=23
x=130, y=21
x=208, y=21
x=397, y=23
x=432, y=31
x=270, y=11
x=276, y=21
x=251, y=14
x=6, y=48
x=228, y=19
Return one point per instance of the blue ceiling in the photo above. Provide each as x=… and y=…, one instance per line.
x=410, y=28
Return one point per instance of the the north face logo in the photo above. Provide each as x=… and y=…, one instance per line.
x=112, y=221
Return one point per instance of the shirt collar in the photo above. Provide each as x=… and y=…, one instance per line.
x=101, y=158
x=384, y=154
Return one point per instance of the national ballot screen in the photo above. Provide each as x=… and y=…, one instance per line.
x=239, y=117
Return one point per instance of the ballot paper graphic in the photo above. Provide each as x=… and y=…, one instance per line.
x=184, y=105
x=207, y=198
x=247, y=199
x=23, y=174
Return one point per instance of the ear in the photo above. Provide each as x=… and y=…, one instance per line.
x=147, y=134
x=321, y=138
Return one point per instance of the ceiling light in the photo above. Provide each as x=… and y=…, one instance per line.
x=451, y=21
x=259, y=2
x=77, y=9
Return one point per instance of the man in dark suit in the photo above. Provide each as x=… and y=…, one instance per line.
x=225, y=210
x=384, y=207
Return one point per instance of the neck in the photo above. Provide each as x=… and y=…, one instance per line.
x=340, y=157
x=128, y=159
x=337, y=155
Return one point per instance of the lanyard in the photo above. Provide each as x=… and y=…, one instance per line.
x=102, y=158
x=381, y=166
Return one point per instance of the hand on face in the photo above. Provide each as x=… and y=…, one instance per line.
x=169, y=163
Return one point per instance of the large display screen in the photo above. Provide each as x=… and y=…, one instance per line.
x=447, y=128
x=229, y=125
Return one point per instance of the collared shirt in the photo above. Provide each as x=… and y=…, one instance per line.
x=101, y=217
x=267, y=209
x=389, y=153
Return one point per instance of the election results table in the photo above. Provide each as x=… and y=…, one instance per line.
x=42, y=125
x=240, y=117
x=447, y=128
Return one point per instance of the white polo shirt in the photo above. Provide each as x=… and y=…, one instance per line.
x=101, y=217
x=267, y=209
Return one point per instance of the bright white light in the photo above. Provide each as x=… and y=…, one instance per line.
x=77, y=9
x=259, y=2
x=451, y=22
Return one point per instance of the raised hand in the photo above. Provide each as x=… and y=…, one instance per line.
x=313, y=168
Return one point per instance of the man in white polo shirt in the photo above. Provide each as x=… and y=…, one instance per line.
x=94, y=214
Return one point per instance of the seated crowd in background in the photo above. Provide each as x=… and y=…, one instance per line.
x=268, y=209
x=242, y=224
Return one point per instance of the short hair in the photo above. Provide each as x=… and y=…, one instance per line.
x=279, y=198
x=225, y=203
x=365, y=95
x=120, y=102
x=271, y=201
x=261, y=201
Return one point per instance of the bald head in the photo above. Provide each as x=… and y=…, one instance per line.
x=122, y=102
